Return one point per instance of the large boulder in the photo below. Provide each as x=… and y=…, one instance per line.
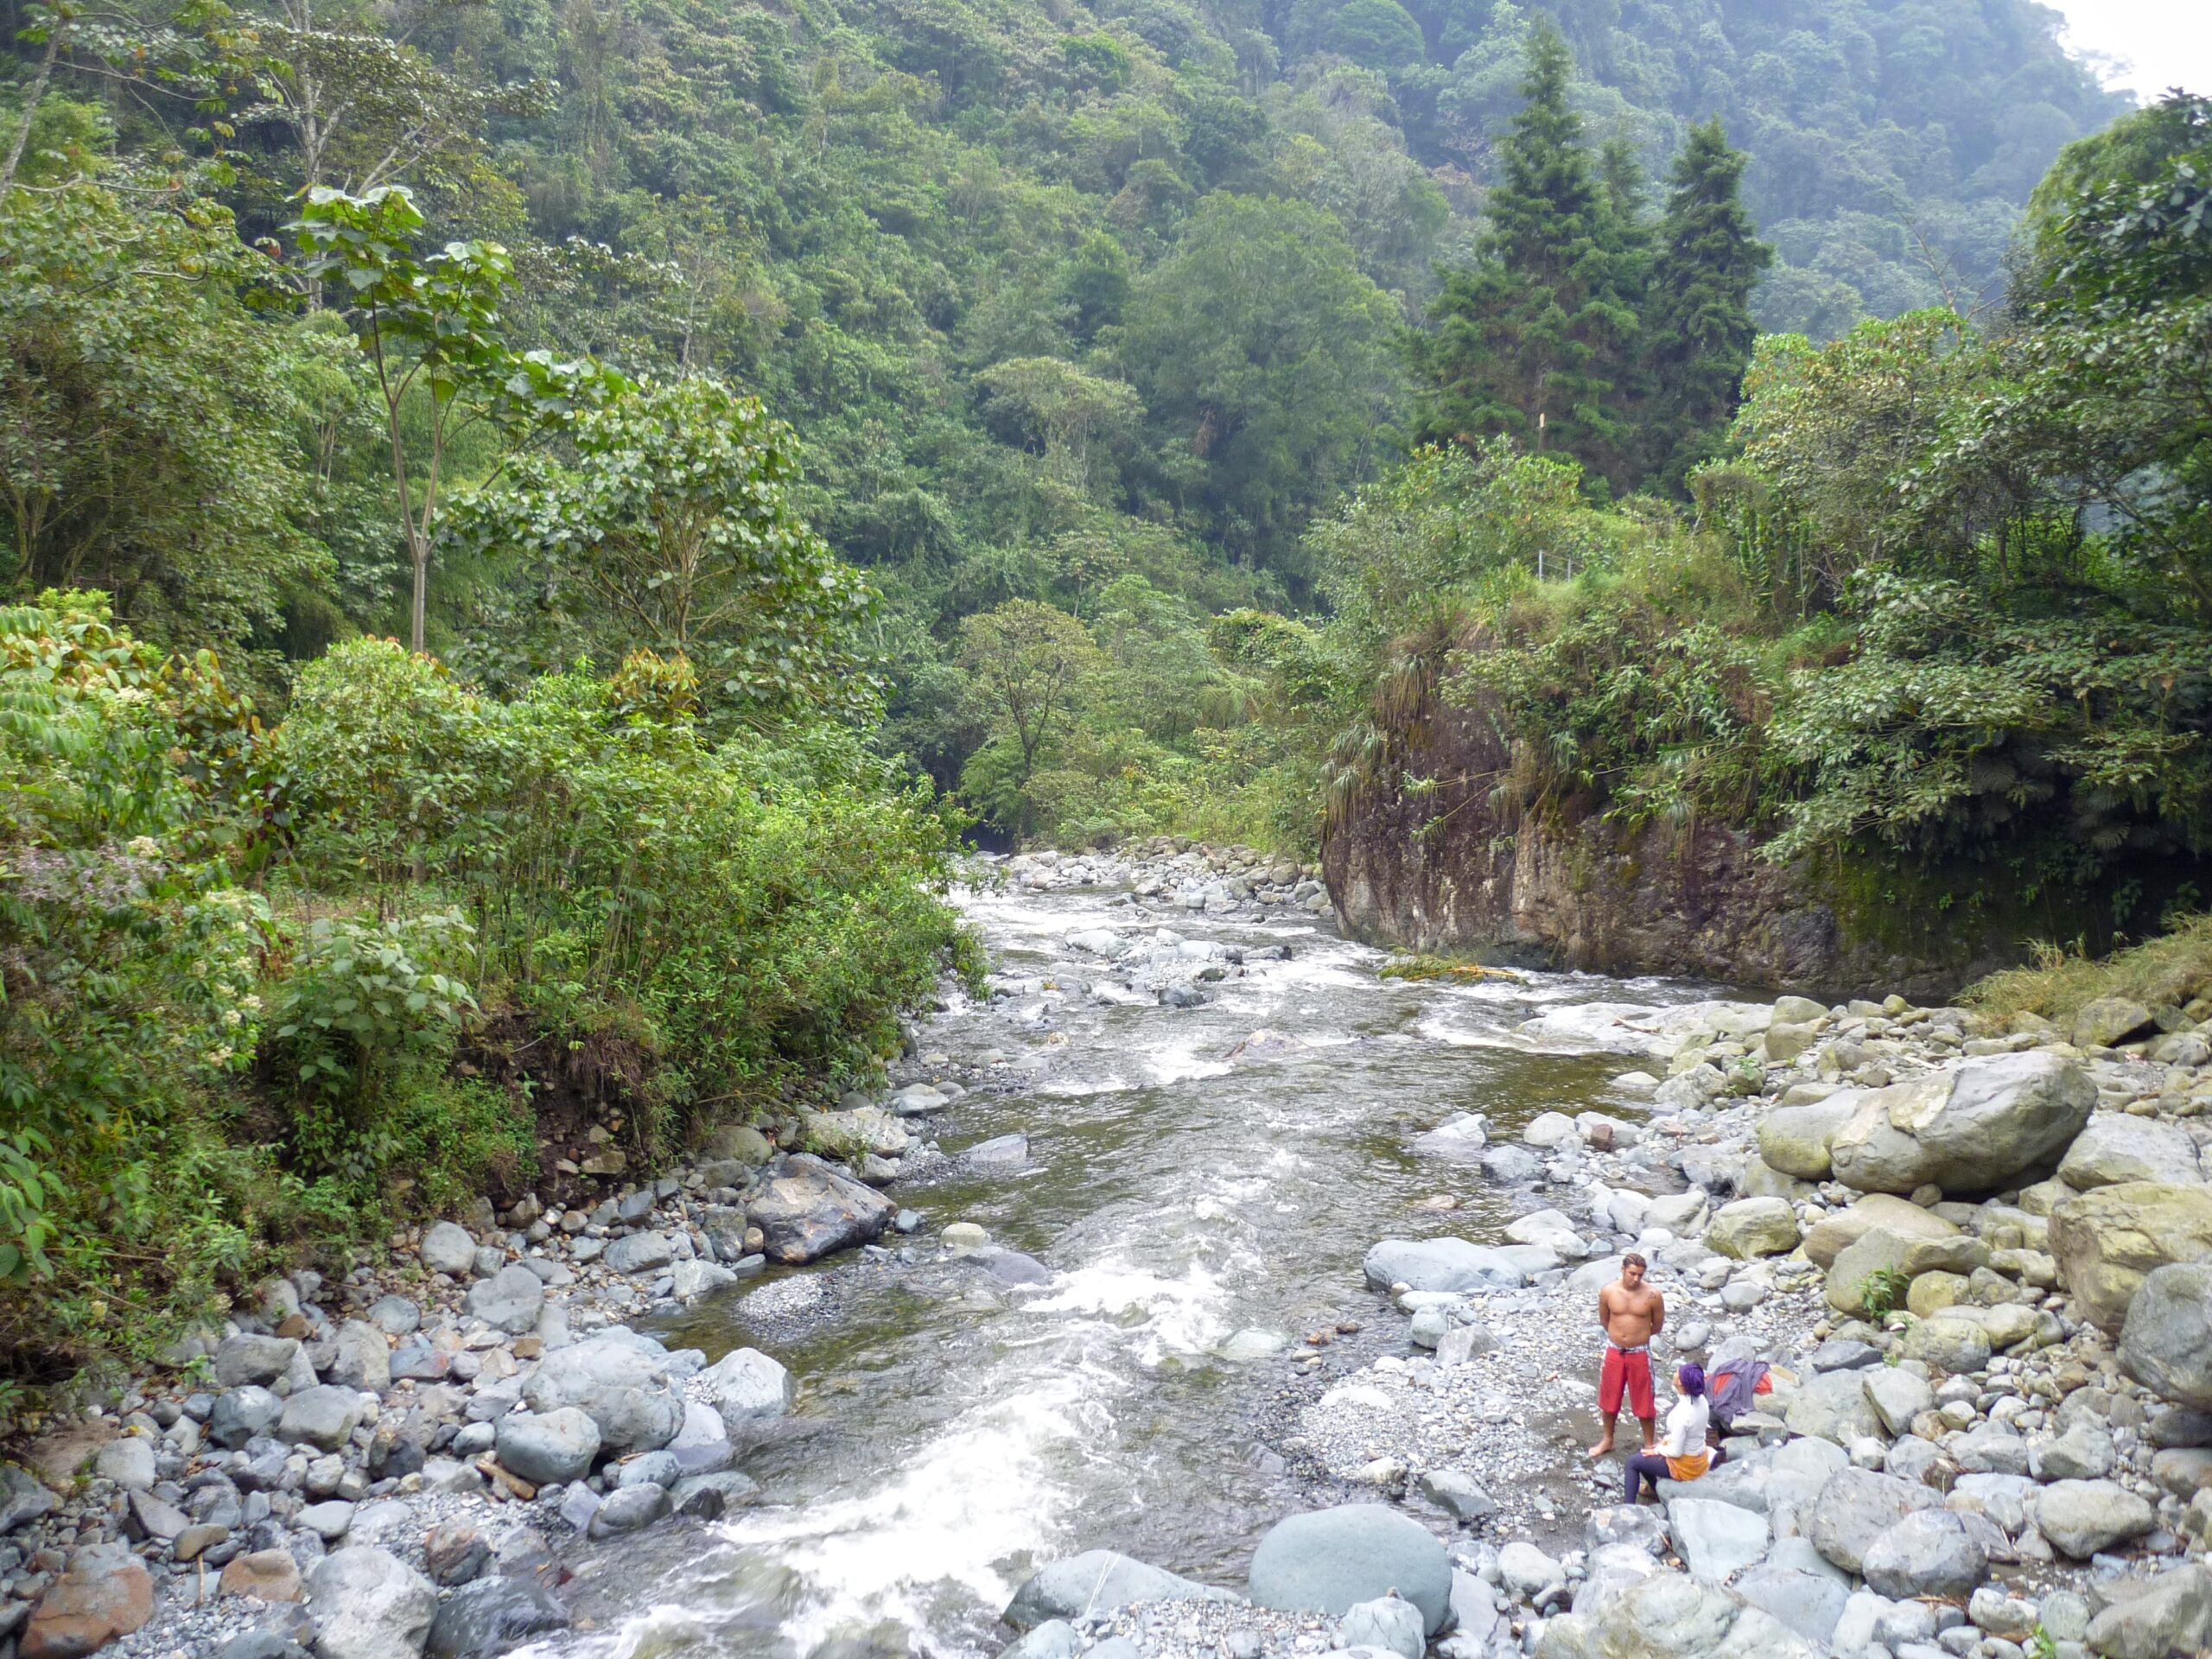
x=1966, y=1130
x=448, y=1248
x=1441, y=1264
x=1795, y=1138
x=2166, y=1342
x=747, y=1387
x=105, y=1594
x=1831, y=1234
x=1327, y=1561
x=368, y=1603
x=2106, y=1241
x=2109, y=1020
x=509, y=1301
x=1832, y=1406
x=2116, y=1147
x=809, y=1210
x=250, y=1357
x=626, y=1390
x=1928, y=1553
x=2081, y=1517
x=1856, y=1507
x=1716, y=1540
x=549, y=1447
x=1752, y=1227
x=1093, y=1582
x=1669, y=1616
x=324, y=1417
x=2171, y=1614
x=487, y=1618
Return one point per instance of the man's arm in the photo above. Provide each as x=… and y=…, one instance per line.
x=1658, y=1312
x=1604, y=1306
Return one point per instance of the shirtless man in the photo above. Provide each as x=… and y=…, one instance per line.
x=1629, y=1311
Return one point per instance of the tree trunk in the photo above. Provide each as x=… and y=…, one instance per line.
x=30, y=104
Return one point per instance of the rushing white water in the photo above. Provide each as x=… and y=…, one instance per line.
x=1181, y=1194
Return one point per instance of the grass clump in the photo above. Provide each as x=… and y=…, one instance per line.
x=2173, y=969
x=1452, y=968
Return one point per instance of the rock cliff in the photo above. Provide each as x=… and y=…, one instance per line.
x=1453, y=867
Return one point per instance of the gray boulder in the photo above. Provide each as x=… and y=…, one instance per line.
x=2171, y=1614
x=2106, y=1243
x=1095, y=1580
x=543, y=1447
x=448, y=1248
x=748, y=1386
x=360, y=1358
x=1832, y=1406
x=23, y=1497
x=323, y=1416
x=1808, y=1604
x=2081, y=1517
x=1716, y=1541
x=1897, y=1395
x=1669, y=1616
x=1928, y=1553
x=509, y=1301
x=249, y=1359
x=368, y=1603
x=1966, y=1130
x=809, y=1210
x=2117, y=1147
x=626, y=1389
x=1856, y=1507
x=2108, y=1019
x=1327, y=1561
x=1752, y=1227
x=1440, y=1264
x=487, y=1617
x=242, y=1413
x=1460, y=1139
x=641, y=1253
x=630, y=1509
x=1795, y=1138
x=1386, y=1624
x=2167, y=1343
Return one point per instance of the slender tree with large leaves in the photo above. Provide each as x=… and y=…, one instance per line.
x=1698, y=331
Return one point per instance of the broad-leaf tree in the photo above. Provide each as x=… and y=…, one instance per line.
x=428, y=324
x=671, y=527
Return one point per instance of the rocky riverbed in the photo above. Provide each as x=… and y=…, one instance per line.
x=1194, y=1291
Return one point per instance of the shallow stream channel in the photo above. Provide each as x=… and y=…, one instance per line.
x=1199, y=1212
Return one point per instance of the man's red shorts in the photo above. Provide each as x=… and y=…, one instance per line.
x=1631, y=1372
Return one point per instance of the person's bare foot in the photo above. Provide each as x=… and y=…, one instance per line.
x=1602, y=1447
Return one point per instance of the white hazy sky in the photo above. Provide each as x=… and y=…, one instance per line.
x=2162, y=43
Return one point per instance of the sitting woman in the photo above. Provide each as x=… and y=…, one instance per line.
x=1682, y=1455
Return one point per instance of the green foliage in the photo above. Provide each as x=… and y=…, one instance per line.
x=671, y=529
x=144, y=416
x=1884, y=1290
x=2172, y=969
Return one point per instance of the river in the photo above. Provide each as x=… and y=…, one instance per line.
x=954, y=1433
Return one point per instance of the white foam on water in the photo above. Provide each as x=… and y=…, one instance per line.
x=1081, y=1088
x=985, y=1492
x=1184, y=1315
x=1180, y=1062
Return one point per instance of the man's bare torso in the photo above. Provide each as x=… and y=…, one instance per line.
x=1630, y=1316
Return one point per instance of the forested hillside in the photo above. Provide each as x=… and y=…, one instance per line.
x=765, y=426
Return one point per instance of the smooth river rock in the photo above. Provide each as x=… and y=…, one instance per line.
x=1329, y=1560
x=1095, y=1580
x=367, y=1603
x=2106, y=1241
x=809, y=1210
x=1966, y=1130
x=2166, y=1341
x=1442, y=1264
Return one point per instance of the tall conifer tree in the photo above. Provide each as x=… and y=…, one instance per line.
x=1698, y=330
x=1534, y=338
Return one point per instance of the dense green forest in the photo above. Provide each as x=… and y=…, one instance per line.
x=776, y=434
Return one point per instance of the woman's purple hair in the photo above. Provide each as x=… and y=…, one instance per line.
x=1691, y=1380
